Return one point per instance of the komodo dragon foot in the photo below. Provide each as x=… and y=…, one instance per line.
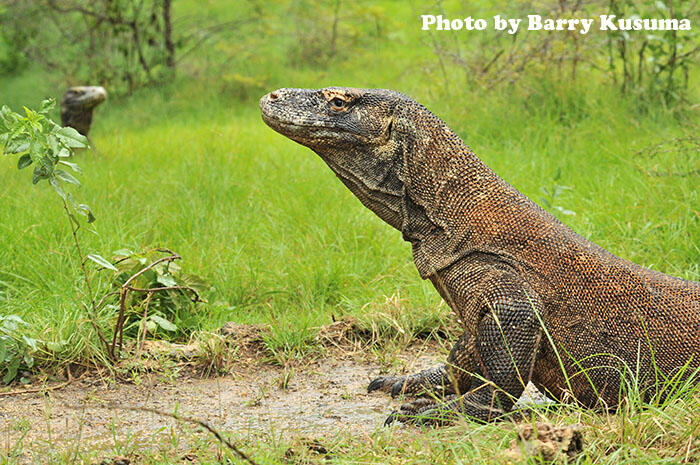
x=434, y=380
x=429, y=412
x=452, y=377
x=424, y=412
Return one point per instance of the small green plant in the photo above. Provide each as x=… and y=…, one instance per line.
x=37, y=140
x=161, y=296
x=286, y=344
x=142, y=279
x=216, y=353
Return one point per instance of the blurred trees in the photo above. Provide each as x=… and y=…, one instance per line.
x=327, y=29
x=656, y=62
x=242, y=50
x=653, y=65
x=120, y=44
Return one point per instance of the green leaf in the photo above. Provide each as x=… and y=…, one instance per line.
x=17, y=146
x=86, y=212
x=73, y=166
x=66, y=176
x=11, y=371
x=30, y=342
x=195, y=282
x=24, y=161
x=163, y=323
x=53, y=145
x=564, y=211
x=3, y=349
x=36, y=150
x=123, y=252
x=57, y=186
x=166, y=280
x=40, y=172
x=11, y=323
x=47, y=105
x=72, y=138
x=101, y=261
x=661, y=5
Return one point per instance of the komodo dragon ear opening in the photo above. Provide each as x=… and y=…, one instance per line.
x=390, y=128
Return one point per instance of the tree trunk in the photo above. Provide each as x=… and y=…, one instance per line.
x=168, y=36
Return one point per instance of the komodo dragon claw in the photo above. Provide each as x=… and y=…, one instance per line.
x=384, y=384
x=406, y=385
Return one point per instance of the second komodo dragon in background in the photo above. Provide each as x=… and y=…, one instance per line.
x=537, y=301
x=77, y=106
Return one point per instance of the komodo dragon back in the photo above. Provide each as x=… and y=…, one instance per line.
x=537, y=301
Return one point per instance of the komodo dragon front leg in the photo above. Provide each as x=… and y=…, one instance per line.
x=507, y=335
x=453, y=377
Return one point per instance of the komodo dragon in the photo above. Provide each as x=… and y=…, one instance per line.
x=537, y=302
x=77, y=106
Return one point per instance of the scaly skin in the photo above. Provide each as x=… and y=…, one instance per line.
x=537, y=301
x=77, y=106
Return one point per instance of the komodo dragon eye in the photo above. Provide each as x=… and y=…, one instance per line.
x=338, y=104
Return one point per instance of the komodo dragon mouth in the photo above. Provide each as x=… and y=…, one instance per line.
x=536, y=301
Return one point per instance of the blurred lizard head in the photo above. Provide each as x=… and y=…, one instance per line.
x=77, y=106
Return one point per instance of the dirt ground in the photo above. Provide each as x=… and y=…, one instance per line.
x=319, y=399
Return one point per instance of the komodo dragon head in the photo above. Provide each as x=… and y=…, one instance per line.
x=360, y=133
x=77, y=106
